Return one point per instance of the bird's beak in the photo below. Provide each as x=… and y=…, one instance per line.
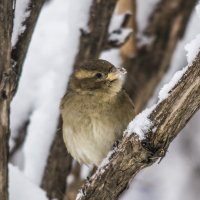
x=116, y=73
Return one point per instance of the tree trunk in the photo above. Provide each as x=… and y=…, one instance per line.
x=5, y=95
x=9, y=77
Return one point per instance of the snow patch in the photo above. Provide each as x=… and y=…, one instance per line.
x=113, y=56
x=105, y=161
x=141, y=124
x=21, y=13
x=192, y=49
x=165, y=90
x=116, y=21
x=20, y=188
x=80, y=194
x=120, y=36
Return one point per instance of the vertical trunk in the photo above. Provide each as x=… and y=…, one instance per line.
x=5, y=93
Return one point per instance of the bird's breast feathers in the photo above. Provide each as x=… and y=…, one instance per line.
x=90, y=129
x=89, y=138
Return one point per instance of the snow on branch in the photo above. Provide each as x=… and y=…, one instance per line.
x=26, y=15
x=21, y=13
x=147, y=138
x=118, y=32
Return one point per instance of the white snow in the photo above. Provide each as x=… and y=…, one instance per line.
x=80, y=194
x=105, y=161
x=21, y=13
x=179, y=59
x=192, y=49
x=44, y=78
x=116, y=21
x=119, y=38
x=20, y=188
x=164, y=92
x=141, y=124
x=85, y=171
x=113, y=56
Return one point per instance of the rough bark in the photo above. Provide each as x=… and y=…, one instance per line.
x=133, y=154
x=92, y=42
x=166, y=26
x=5, y=95
x=9, y=77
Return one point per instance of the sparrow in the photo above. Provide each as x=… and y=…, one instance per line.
x=95, y=110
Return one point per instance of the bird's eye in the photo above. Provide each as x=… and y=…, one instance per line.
x=98, y=75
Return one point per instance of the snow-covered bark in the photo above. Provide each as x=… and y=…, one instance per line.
x=156, y=182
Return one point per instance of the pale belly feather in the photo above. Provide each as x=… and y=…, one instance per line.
x=89, y=141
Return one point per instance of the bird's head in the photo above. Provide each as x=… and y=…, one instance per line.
x=97, y=77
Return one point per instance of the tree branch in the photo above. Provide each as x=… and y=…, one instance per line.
x=9, y=77
x=5, y=94
x=166, y=26
x=132, y=154
x=93, y=41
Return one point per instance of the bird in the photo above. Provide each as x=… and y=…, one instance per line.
x=95, y=110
